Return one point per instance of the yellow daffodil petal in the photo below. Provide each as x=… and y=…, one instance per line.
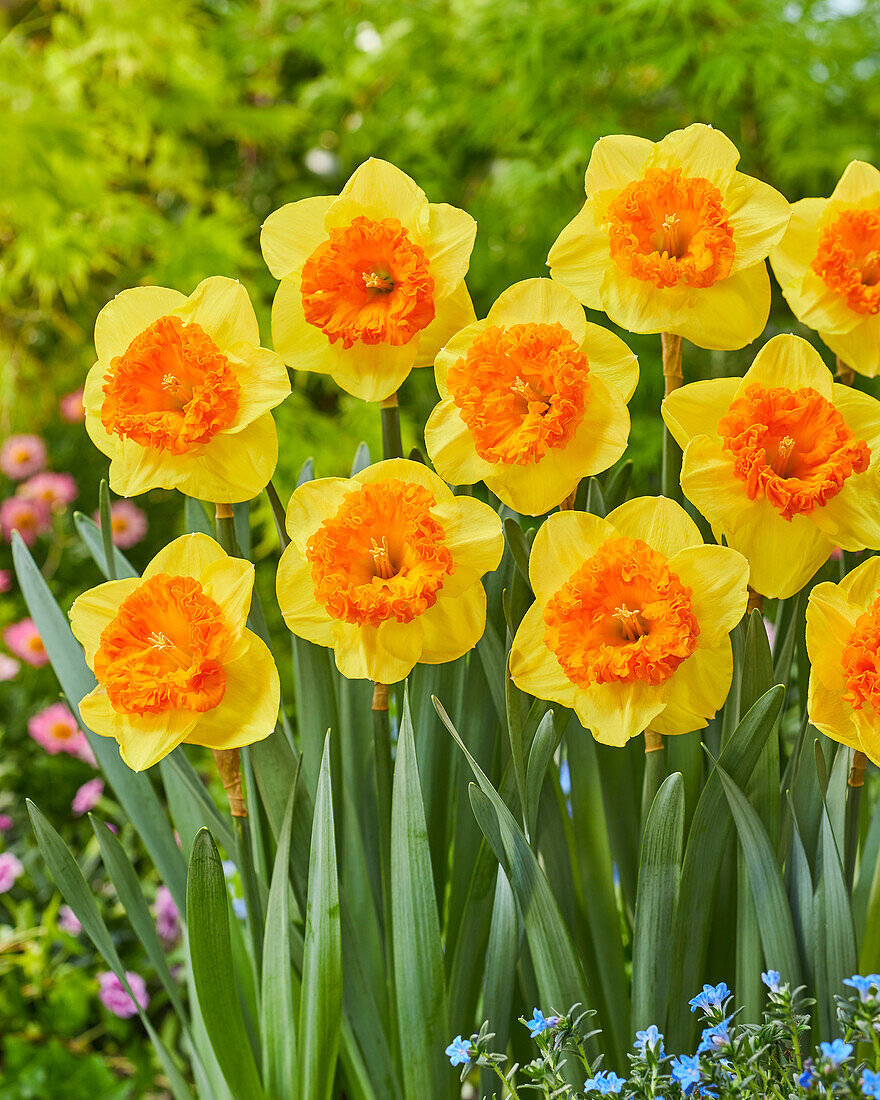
x=248, y=710
x=662, y=523
x=263, y=379
x=533, y=667
x=385, y=654
x=130, y=312
x=697, y=690
x=304, y=615
x=454, y=349
x=758, y=216
x=452, y=627
x=473, y=532
x=859, y=348
x=862, y=414
x=580, y=257
x=699, y=150
x=563, y=543
x=611, y=360
x=404, y=470
x=831, y=618
x=453, y=313
x=543, y=302
x=791, y=362
x=451, y=446
x=718, y=578
x=373, y=372
x=380, y=190
x=301, y=345
x=230, y=583
x=142, y=741
x=292, y=233
x=831, y=715
x=867, y=724
x=696, y=408
x=187, y=556
x=223, y=309
x=314, y=502
x=851, y=520
x=730, y=314
x=451, y=235
x=616, y=712
x=615, y=161
x=859, y=182
x=229, y=469
x=94, y=609
x=93, y=397
x=862, y=584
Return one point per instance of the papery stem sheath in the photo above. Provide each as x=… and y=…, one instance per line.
x=392, y=444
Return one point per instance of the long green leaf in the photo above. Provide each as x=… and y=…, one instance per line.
x=541, y=753
x=502, y=954
x=90, y=533
x=765, y=877
x=133, y=789
x=418, y=952
x=207, y=908
x=657, y=902
x=836, y=938
x=320, y=1009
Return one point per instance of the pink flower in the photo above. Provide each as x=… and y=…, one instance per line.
x=56, y=730
x=29, y=517
x=8, y=667
x=167, y=916
x=5, y=580
x=5, y=822
x=10, y=870
x=68, y=921
x=71, y=406
x=24, y=641
x=22, y=455
x=114, y=995
x=56, y=491
x=86, y=798
x=128, y=523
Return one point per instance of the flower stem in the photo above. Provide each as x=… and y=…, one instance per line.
x=392, y=444
x=655, y=771
x=106, y=529
x=672, y=380
x=846, y=376
x=382, y=754
x=278, y=515
x=853, y=804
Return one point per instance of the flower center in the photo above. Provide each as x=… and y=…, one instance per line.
x=35, y=644
x=381, y=556
x=368, y=281
x=671, y=230
x=623, y=616
x=861, y=660
x=792, y=447
x=61, y=731
x=172, y=389
x=521, y=391
x=848, y=259
x=162, y=650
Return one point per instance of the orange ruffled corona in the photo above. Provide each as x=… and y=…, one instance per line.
x=783, y=463
x=673, y=239
x=828, y=265
x=843, y=645
x=181, y=393
x=372, y=280
x=631, y=620
x=532, y=399
x=172, y=657
x=385, y=568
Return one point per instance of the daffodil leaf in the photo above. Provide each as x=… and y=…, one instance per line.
x=361, y=459
x=617, y=484
x=196, y=518
x=800, y=895
x=306, y=472
x=515, y=538
x=90, y=533
x=502, y=955
x=540, y=754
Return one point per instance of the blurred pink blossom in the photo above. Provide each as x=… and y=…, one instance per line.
x=167, y=916
x=56, y=730
x=5, y=580
x=114, y=995
x=68, y=921
x=128, y=523
x=10, y=870
x=9, y=667
x=28, y=516
x=5, y=822
x=86, y=797
x=71, y=406
x=22, y=455
x=25, y=642
x=56, y=491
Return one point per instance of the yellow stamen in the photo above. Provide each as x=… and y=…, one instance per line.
x=381, y=558
x=529, y=392
x=374, y=281
x=783, y=454
x=630, y=623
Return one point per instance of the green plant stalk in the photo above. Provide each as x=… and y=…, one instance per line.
x=392, y=444
x=382, y=753
x=672, y=380
x=106, y=529
x=853, y=806
x=655, y=773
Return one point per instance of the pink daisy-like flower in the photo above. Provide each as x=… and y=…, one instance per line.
x=56, y=730
x=56, y=491
x=167, y=916
x=115, y=996
x=128, y=523
x=22, y=455
x=10, y=870
x=25, y=642
x=86, y=797
x=68, y=921
x=5, y=580
x=27, y=516
x=5, y=822
x=9, y=667
x=71, y=406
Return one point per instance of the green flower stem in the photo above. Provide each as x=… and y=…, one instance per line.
x=106, y=529
x=509, y=1085
x=853, y=805
x=392, y=444
x=382, y=754
x=655, y=773
x=278, y=515
x=672, y=379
